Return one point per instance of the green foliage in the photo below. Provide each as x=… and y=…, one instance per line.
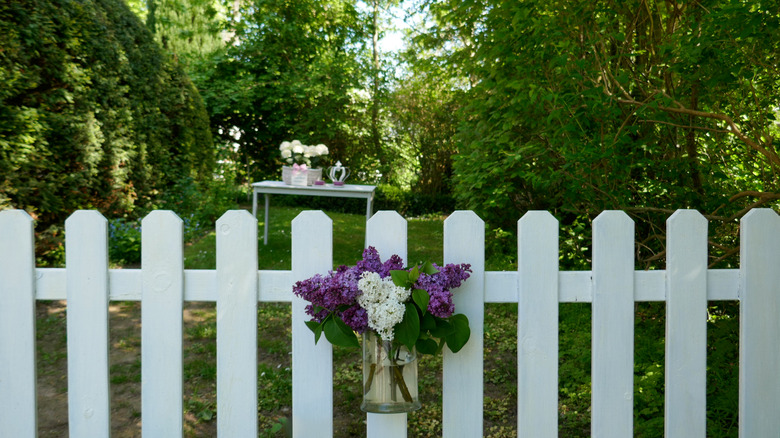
x=581, y=107
x=124, y=241
x=93, y=114
x=291, y=74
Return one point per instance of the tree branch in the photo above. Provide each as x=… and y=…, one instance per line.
x=773, y=158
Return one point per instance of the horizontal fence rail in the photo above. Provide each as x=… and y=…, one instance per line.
x=612, y=287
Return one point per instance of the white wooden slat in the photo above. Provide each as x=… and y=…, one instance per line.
x=723, y=284
x=275, y=286
x=650, y=286
x=537, y=325
x=387, y=232
x=575, y=286
x=500, y=286
x=612, y=363
x=125, y=284
x=17, y=325
x=462, y=372
x=759, y=355
x=200, y=285
x=161, y=324
x=50, y=284
x=312, y=253
x=686, y=326
x=86, y=263
x=237, y=324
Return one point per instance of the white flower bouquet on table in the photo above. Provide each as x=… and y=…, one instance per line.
x=295, y=152
x=302, y=161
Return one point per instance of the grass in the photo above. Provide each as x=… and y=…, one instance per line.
x=274, y=359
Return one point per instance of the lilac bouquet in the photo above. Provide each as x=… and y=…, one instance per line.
x=404, y=306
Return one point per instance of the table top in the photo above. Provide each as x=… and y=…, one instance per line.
x=276, y=187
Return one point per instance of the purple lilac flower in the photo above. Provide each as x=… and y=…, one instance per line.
x=441, y=304
x=356, y=318
x=339, y=289
x=439, y=286
x=371, y=261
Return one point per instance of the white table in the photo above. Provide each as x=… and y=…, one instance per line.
x=269, y=188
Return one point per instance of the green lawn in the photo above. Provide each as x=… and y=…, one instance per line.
x=348, y=239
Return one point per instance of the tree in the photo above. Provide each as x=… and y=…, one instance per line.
x=646, y=106
x=292, y=72
x=92, y=114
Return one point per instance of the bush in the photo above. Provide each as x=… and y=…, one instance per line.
x=92, y=113
x=124, y=241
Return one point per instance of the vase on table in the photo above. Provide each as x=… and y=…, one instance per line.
x=389, y=377
x=312, y=175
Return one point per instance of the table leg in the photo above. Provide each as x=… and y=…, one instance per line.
x=265, y=222
x=254, y=203
x=369, y=209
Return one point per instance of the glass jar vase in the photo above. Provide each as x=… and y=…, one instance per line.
x=389, y=377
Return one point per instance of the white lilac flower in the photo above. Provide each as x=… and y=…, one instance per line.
x=322, y=149
x=286, y=153
x=308, y=151
x=383, y=302
x=297, y=148
x=285, y=146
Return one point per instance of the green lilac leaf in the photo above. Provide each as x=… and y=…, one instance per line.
x=459, y=334
x=441, y=330
x=339, y=334
x=408, y=330
x=421, y=298
x=429, y=269
x=400, y=278
x=428, y=322
x=427, y=346
x=414, y=274
x=316, y=328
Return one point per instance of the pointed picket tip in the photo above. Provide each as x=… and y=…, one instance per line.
x=235, y=216
x=610, y=217
x=387, y=231
x=14, y=216
x=535, y=218
x=758, y=215
x=13, y=225
x=312, y=216
x=85, y=217
x=161, y=217
x=467, y=224
x=464, y=240
x=683, y=215
x=464, y=216
x=386, y=215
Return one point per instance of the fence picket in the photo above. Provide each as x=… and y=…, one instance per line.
x=686, y=326
x=387, y=232
x=161, y=328
x=17, y=325
x=312, y=374
x=612, y=363
x=86, y=262
x=537, y=325
x=237, y=324
x=612, y=286
x=759, y=355
x=462, y=373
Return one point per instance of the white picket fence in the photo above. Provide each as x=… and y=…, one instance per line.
x=612, y=286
